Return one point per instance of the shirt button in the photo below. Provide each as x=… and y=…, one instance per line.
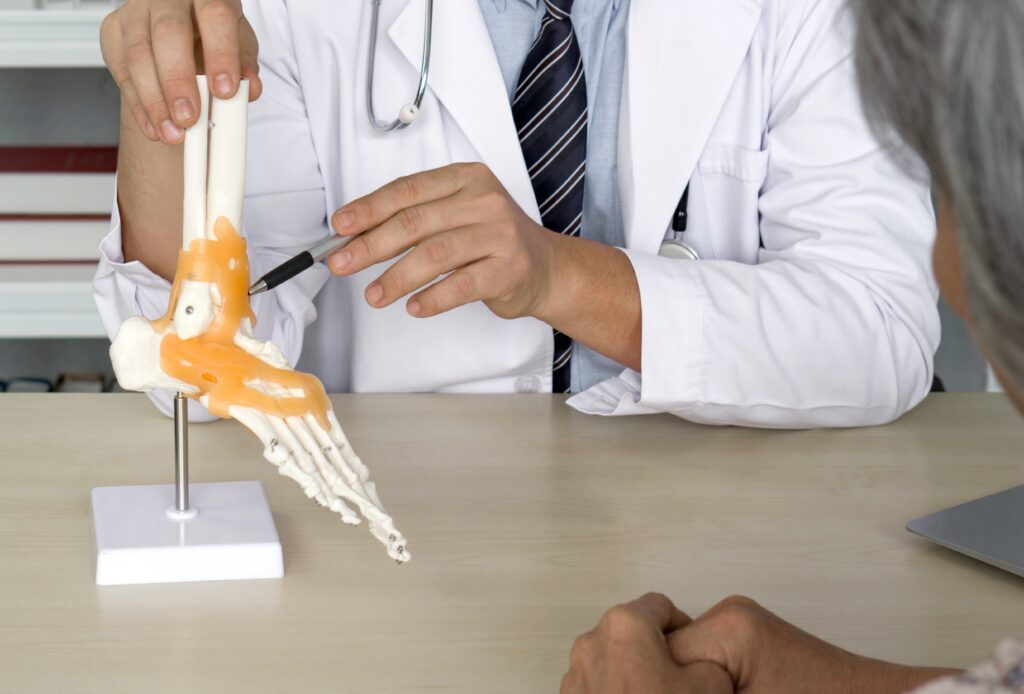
x=527, y=384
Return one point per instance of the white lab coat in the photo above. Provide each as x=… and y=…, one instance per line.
x=831, y=323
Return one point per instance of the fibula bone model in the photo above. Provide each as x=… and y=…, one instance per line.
x=204, y=346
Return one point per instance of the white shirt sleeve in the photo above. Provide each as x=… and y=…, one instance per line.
x=836, y=324
x=285, y=212
x=1004, y=674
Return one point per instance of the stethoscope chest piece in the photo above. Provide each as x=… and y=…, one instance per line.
x=677, y=250
x=410, y=111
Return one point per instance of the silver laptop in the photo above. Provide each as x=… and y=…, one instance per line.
x=990, y=529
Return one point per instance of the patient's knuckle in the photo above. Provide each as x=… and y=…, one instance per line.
x=738, y=616
x=582, y=648
x=738, y=602
x=620, y=620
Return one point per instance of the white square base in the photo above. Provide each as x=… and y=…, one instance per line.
x=231, y=537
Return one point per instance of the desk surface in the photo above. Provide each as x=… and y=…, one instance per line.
x=526, y=519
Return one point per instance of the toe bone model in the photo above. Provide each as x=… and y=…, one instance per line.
x=204, y=346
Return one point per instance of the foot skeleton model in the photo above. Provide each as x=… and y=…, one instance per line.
x=204, y=346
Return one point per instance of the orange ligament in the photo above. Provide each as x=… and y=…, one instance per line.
x=212, y=362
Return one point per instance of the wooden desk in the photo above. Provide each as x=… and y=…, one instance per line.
x=526, y=519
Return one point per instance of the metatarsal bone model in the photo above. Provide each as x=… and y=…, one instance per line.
x=204, y=346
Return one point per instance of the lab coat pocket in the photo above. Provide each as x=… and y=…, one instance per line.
x=732, y=178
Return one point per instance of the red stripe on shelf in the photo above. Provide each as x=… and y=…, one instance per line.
x=54, y=218
x=58, y=159
x=43, y=262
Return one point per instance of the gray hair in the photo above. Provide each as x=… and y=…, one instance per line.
x=947, y=78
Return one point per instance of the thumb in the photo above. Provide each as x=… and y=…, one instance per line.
x=703, y=641
x=702, y=678
x=660, y=612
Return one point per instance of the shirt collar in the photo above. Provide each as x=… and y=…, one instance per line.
x=500, y=5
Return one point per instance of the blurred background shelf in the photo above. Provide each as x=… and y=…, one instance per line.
x=48, y=301
x=51, y=38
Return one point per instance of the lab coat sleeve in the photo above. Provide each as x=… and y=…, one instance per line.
x=284, y=213
x=837, y=324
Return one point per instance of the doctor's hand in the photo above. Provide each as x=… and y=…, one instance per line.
x=628, y=652
x=466, y=230
x=457, y=219
x=155, y=48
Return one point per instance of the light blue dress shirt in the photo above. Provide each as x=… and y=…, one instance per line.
x=601, y=30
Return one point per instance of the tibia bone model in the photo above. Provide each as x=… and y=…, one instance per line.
x=204, y=345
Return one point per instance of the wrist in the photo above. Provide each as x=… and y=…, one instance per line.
x=556, y=277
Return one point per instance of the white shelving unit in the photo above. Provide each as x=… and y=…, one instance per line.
x=50, y=38
x=49, y=301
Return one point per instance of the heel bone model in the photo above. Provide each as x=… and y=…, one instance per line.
x=204, y=345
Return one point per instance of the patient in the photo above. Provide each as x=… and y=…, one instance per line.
x=946, y=77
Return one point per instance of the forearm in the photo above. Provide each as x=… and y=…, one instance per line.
x=149, y=191
x=594, y=298
x=879, y=677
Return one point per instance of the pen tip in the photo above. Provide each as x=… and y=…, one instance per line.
x=258, y=288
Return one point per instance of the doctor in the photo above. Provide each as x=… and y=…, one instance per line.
x=606, y=135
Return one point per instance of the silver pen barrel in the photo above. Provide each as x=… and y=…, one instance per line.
x=328, y=246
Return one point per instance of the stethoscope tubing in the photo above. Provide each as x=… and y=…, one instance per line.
x=421, y=90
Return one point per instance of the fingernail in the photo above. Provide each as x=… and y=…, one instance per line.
x=222, y=84
x=343, y=220
x=183, y=110
x=414, y=308
x=170, y=131
x=340, y=261
x=374, y=293
x=150, y=131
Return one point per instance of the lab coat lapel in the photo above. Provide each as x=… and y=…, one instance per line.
x=682, y=60
x=466, y=77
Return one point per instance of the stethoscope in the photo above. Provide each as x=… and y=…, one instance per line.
x=408, y=113
x=673, y=247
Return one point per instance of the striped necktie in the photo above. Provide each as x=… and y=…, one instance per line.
x=550, y=111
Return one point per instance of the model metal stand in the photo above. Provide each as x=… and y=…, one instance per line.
x=181, y=509
x=181, y=453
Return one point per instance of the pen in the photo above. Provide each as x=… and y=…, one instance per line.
x=300, y=263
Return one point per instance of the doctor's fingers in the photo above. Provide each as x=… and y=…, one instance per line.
x=112, y=48
x=426, y=186
x=229, y=45
x=406, y=228
x=127, y=40
x=485, y=280
x=438, y=255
